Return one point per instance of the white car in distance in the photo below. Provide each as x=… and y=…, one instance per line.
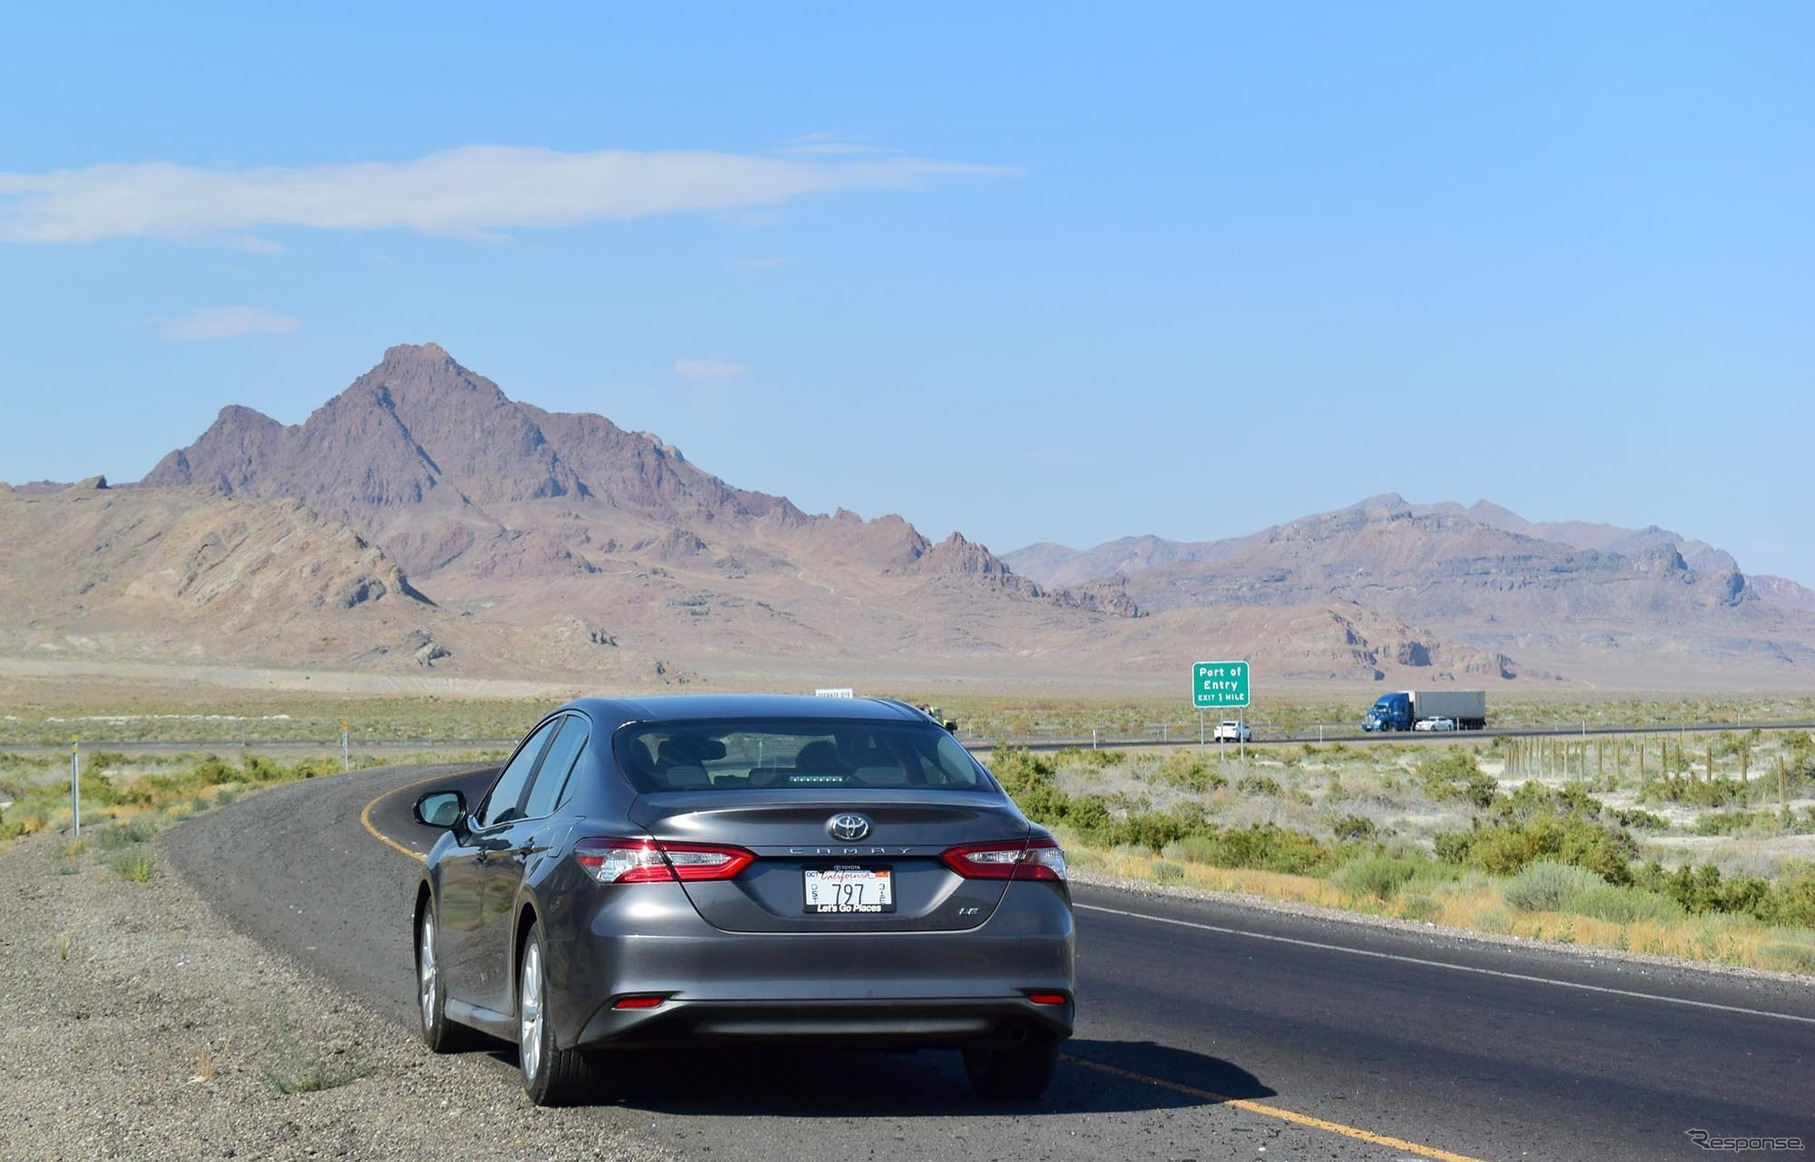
x=1229, y=730
x=1434, y=724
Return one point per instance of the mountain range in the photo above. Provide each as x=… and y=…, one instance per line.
x=423, y=521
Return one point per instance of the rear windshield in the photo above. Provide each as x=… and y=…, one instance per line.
x=793, y=754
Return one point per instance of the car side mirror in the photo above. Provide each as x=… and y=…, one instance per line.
x=444, y=809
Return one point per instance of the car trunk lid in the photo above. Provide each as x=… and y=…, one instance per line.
x=857, y=861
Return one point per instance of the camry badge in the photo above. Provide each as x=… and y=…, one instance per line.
x=849, y=827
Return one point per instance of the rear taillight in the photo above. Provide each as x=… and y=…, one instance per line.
x=646, y=861
x=1032, y=859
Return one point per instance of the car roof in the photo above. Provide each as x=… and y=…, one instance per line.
x=611, y=713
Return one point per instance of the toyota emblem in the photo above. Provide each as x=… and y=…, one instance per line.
x=849, y=827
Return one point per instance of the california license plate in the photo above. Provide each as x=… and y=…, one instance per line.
x=850, y=889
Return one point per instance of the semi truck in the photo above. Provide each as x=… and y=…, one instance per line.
x=1402, y=709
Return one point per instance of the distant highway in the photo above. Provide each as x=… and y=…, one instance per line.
x=976, y=741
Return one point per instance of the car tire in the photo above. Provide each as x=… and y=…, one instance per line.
x=1012, y=1073
x=438, y=1033
x=552, y=1076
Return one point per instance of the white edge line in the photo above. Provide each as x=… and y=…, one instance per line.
x=1520, y=976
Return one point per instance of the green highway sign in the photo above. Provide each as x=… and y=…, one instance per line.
x=1219, y=684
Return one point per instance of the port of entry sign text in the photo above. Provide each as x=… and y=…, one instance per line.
x=1219, y=684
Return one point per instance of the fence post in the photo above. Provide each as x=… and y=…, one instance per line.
x=75, y=786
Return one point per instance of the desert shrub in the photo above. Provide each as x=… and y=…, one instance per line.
x=134, y=866
x=97, y=789
x=1493, y=920
x=123, y=835
x=1028, y=779
x=1641, y=819
x=1419, y=908
x=1379, y=876
x=1624, y=905
x=1263, y=847
x=1703, y=889
x=29, y=816
x=1731, y=822
x=1016, y=767
x=1075, y=756
x=259, y=769
x=1534, y=800
x=1045, y=803
x=1455, y=776
x=1149, y=830
x=1088, y=813
x=1259, y=785
x=212, y=771
x=1353, y=828
x=1545, y=886
x=140, y=792
x=1694, y=792
x=1168, y=873
x=1189, y=770
x=1792, y=901
x=1506, y=848
x=14, y=765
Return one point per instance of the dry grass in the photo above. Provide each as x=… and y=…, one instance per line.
x=1477, y=904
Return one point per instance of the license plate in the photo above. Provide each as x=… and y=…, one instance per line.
x=850, y=889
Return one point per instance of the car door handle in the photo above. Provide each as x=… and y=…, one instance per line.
x=486, y=853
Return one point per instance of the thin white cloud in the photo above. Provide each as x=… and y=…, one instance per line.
x=472, y=192
x=226, y=323
x=708, y=369
x=828, y=144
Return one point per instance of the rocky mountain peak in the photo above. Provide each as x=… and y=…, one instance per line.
x=955, y=554
x=1387, y=503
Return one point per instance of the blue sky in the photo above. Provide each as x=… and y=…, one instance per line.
x=1029, y=272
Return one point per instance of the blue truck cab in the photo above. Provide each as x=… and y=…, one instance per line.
x=1390, y=712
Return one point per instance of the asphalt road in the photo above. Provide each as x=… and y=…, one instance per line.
x=1206, y=1030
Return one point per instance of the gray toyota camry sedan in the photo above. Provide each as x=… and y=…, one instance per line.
x=685, y=870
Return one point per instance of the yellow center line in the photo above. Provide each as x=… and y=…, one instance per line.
x=1268, y=1111
x=365, y=817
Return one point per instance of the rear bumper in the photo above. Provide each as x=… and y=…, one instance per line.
x=898, y=989
x=927, y=1024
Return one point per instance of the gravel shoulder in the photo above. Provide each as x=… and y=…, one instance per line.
x=140, y=1026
